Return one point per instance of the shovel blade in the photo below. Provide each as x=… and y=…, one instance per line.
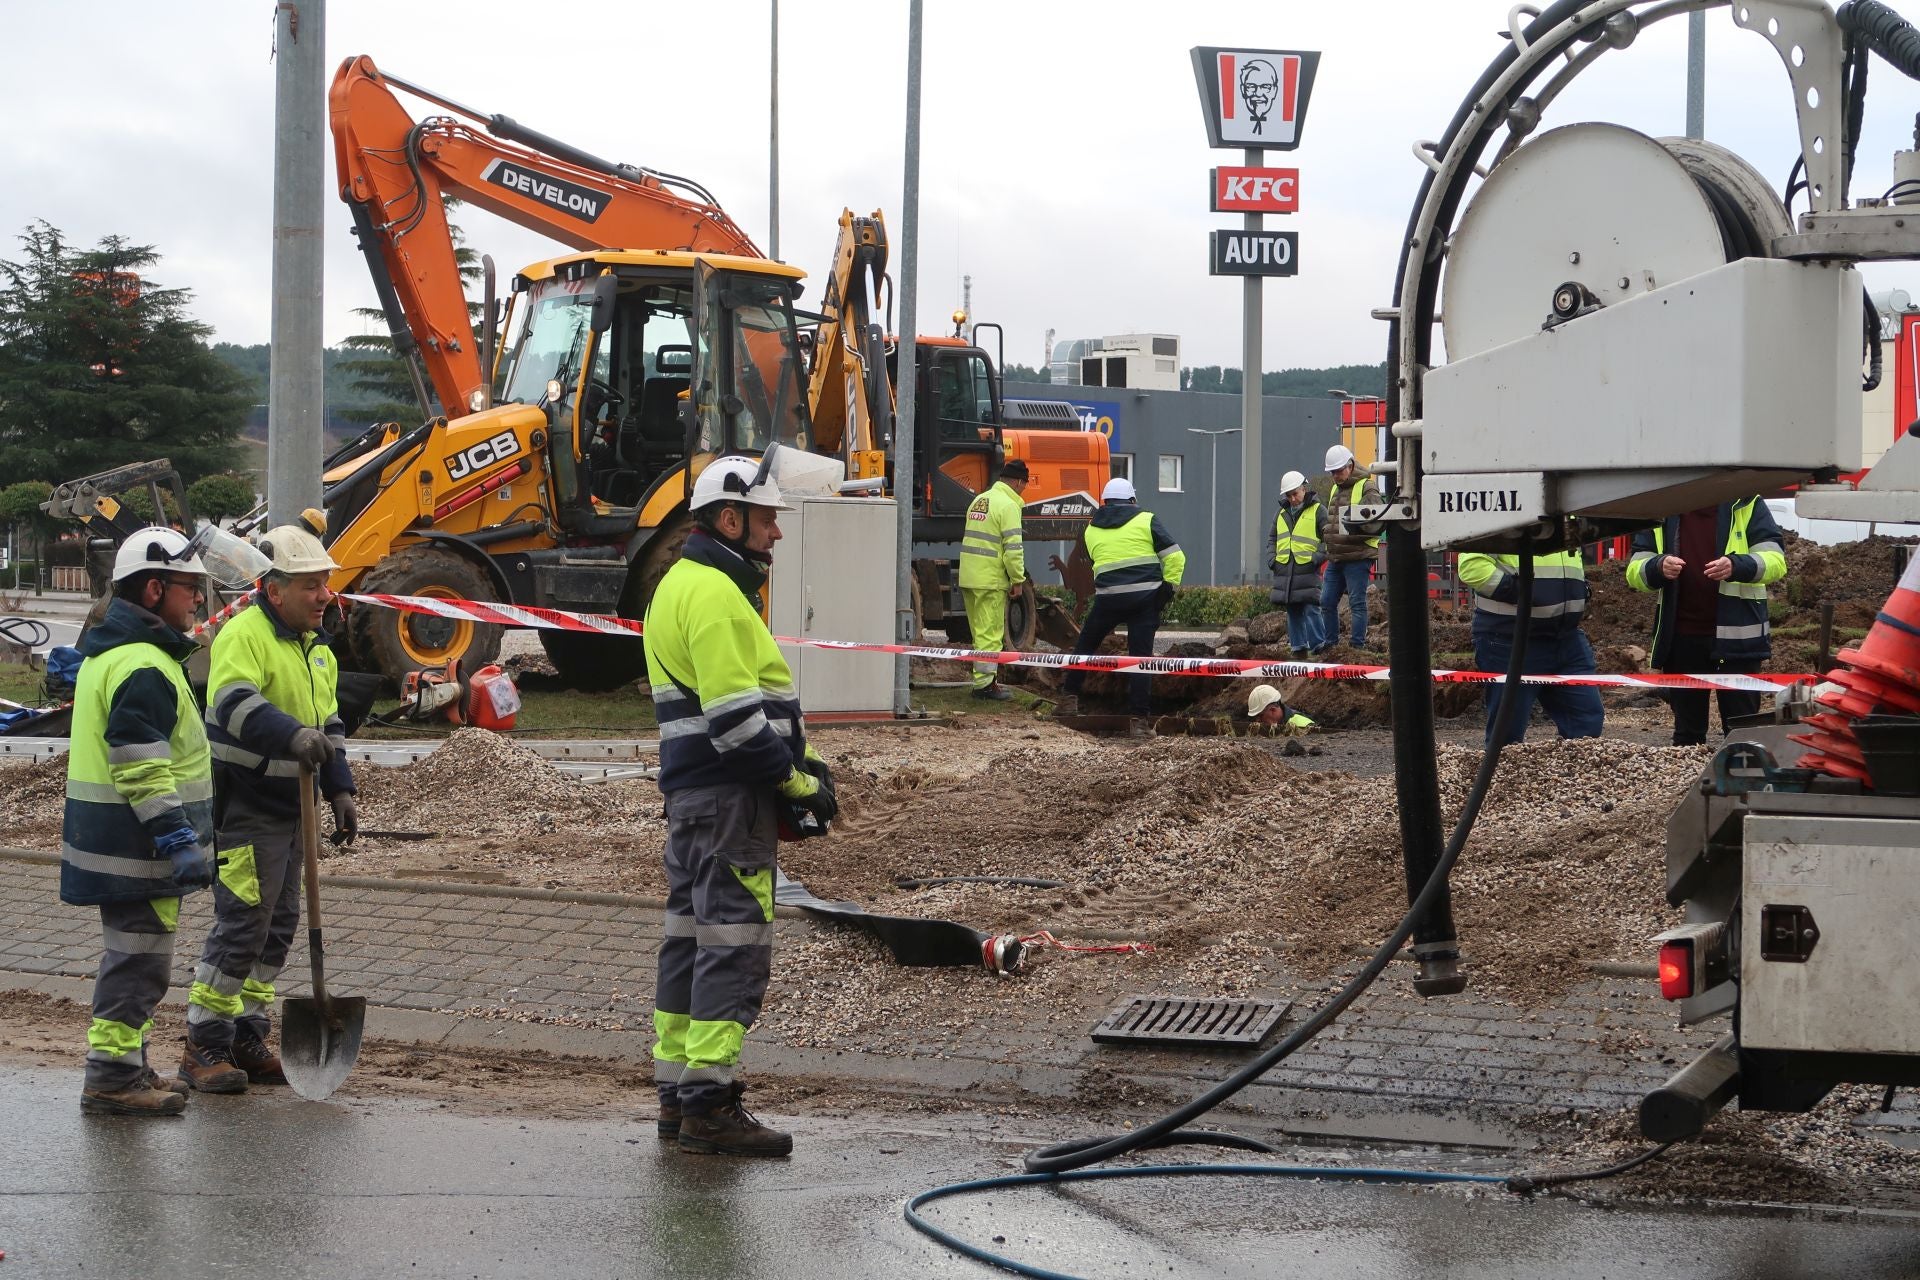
x=319, y=1042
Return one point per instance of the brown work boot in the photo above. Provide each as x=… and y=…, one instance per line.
x=209, y=1068
x=137, y=1099
x=730, y=1130
x=166, y=1084
x=262, y=1065
x=667, y=1124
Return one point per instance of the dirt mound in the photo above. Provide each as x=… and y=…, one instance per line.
x=33, y=800
x=1183, y=840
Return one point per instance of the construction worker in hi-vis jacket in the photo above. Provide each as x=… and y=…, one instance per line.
x=271, y=708
x=735, y=768
x=993, y=566
x=138, y=831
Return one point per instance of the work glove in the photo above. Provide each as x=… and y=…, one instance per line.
x=192, y=868
x=808, y=792
x=311, y=748
x=1164, y=595
x=346, y=817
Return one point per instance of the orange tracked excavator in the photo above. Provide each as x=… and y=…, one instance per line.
x=561, y=475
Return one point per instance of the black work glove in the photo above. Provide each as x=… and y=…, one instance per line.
x=311, y=748
x=192, y=868
x=346, y=817
x=1164, y=595
x=805, y=791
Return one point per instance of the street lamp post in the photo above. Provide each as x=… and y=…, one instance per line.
x=1213, y=494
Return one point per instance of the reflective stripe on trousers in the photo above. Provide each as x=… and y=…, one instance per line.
x=716, y=946
x=136, y=958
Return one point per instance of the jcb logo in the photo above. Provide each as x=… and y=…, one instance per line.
x=485, y=454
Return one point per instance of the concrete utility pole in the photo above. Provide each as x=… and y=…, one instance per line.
x=1697, y=74
x=773, y=141
x=772, y=146
x=296, y=382
x=1251, y=505
x=903, y=477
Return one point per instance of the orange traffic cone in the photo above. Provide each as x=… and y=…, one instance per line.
x=1881, y=676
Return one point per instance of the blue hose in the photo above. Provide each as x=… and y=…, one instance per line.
x=1326, y=1173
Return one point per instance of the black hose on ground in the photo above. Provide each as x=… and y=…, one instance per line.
x=28, y=633
x=1168, y=1130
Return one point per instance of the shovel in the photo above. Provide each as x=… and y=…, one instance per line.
x=319, y=1037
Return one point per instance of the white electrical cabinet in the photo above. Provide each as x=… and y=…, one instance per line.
x=1827, y=907
x=833, y=579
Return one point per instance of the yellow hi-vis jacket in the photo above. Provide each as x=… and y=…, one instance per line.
x=993, y=553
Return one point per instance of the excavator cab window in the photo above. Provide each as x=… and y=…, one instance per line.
x=749, y=341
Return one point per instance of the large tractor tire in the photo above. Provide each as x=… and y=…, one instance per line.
x=596, y=664
x=394, y=643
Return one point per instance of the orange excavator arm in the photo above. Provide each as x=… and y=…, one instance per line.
x=393, y=171
x=850, y=394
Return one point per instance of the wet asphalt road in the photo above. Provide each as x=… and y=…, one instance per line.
x=268, y=1185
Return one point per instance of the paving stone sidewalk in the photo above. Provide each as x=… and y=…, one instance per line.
x=464, y=966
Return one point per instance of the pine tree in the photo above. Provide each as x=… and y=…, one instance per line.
x=102, y=366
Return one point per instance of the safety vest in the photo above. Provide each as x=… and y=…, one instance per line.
x=993, y=549
x=1126, y=562
x=1353, y=500
x=723, y=694
x=124, y=779
x=1742, y=631
x=267, y=681
x=1559, y=591
x=1301, y=543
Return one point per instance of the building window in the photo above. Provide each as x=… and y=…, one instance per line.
x=1122, y=464
x=1170, y=473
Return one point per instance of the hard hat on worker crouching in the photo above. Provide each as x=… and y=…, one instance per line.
x=293, y=550
x=156, y=550
x=1291, y=481
x=738, y=479
x=1262, y=697
x=1117, y=489
x=1338, y=456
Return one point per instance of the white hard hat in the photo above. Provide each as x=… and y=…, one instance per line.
x=293, y=550
x=1262, y=697
x=1117, y=489
x=155, y=550
x=1291, y=481
x=1338, y=456
x=738, y=479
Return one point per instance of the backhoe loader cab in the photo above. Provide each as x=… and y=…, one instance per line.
x=628, y=371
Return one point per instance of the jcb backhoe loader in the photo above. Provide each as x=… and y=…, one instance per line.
x=668, y=341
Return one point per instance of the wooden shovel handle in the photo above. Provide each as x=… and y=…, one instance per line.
x=310, y=856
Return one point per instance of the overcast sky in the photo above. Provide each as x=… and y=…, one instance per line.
x=1064, y=160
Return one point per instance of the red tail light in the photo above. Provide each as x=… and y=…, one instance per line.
x=1676, y=970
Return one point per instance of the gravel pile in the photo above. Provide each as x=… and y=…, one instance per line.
x=1823, y=1156
x=499, y=813
x=33, y=797
x=1185, y=841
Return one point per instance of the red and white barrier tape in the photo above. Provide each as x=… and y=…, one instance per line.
x=519, y=615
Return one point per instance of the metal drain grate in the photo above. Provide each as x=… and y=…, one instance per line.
x=1166, y=1020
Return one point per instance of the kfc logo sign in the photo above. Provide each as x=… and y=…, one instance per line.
x=1255, y=98
x=1243, y=190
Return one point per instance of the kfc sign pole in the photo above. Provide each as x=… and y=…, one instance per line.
x=1255, y=99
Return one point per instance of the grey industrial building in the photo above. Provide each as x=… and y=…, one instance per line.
x=1154, y=443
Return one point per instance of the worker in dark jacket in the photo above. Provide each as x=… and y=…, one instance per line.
x=1712, y=568
x=271, y=708
x=138, y=831
x=1136, y=566
x=733, y=758
x=1350, y=556
x=1297, y=556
